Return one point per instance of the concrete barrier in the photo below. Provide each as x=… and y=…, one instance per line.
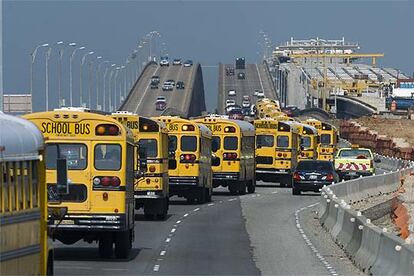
x=367, y=253
x=373, y=251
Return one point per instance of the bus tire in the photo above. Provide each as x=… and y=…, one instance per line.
x=105, y=245
x=242, y=188
x=232, y=189
x=201, y=195
x=251, y=187
x=208, y=194
x=123, y=244
x=164, y=210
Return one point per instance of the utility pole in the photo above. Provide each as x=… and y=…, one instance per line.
x=1, y=56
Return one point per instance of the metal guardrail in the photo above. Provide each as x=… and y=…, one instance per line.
x=372, y=249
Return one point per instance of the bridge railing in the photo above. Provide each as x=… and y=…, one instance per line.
x=372, y=249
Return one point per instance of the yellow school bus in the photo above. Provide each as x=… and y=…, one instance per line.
x=287, y=145
x=151, y=190
x=309, y=141
x=100, y=159
x=190, y=174
x=328, y=139
x=233, y=153
x=266, y=134
x=24, y=249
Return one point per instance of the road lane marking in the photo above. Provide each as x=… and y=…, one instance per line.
x=156, y=268
x=186, y=214
x=311, y=246
x=211, y=204
x=115, y=269
x=73, y=267
x=196, y=209
x=162, y=253
x=232, y=199
x=178, y=221
x=173, y=230
x=275, y=192
x=168, y=240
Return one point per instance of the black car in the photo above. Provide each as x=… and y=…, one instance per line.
x=291, y=110
x=312, y=175
x=180, y=85
x=241, y=76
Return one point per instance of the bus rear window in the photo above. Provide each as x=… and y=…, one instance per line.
x=76, y=155
x=325, y=139
x=108, y=157
x=265, y=141
x=305, y=142
x=188, y=143
x=282, y=141
x=150, y=146
x=230, y=143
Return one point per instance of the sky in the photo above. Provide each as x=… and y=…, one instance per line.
x=208, y=32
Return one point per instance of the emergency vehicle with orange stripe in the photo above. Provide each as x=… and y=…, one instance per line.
x=354, y=162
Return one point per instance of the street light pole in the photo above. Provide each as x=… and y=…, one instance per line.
x=80, y=76
x=110, y=89
x=59, y=72
x=122, y=92
x=32, y=60
x=47, y=55
x=70, y=72
x=115, y=86
x=98, y=107
x=90, y=82
x=104, y=88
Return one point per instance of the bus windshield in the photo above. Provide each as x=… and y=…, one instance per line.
x=230, y=143
x=75, y=154
x=325, y=139
x=306, y=142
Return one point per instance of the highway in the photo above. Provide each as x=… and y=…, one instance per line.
x=142, y=98
x=256, y=78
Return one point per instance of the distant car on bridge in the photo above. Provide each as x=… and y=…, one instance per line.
x=246, y=104
x=231, y=92
x=155, y=79
x=177, y=61
x=230, y=102
x=291, y=110
x=164, y=61
x=229, y=71
x=260, y=94
x=168, y=86
x=160, y=103
x=241, y=76
x=180, y=85
x=188, y=63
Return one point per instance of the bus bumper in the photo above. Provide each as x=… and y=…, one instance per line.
x=150, y=194
x=89, y=222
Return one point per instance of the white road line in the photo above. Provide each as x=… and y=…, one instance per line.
x=178, y=221
x=168, y=240
x=72, y=267
x=162, y=253
x=196, y=209
x=325, y=263
x=115, y=269
x=156, y=268
x=211, y=204
x=260, y=78
x=232, y=199
x=173, y=230
x=185, y=214
x=275, y=192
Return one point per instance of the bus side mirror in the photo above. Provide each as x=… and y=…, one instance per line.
x=62, y=184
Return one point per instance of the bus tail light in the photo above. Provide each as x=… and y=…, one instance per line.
x=106, y=181
x=230, y=156
x=151, y=169
x=187, y=157
x=229, y=129
x=323, y=150
x=284, y=155
x=279, y=155
x=188, y=128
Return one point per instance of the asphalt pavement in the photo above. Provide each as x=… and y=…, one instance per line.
x=142, y=100
x=233, y=235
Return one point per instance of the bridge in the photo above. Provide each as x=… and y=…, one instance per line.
x=185, y=102
x=257, y=77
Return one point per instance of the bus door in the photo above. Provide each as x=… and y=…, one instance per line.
x=217, y=153
x=151, y=147
x=230, y=152
x=80, y=186
x=188, y=155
